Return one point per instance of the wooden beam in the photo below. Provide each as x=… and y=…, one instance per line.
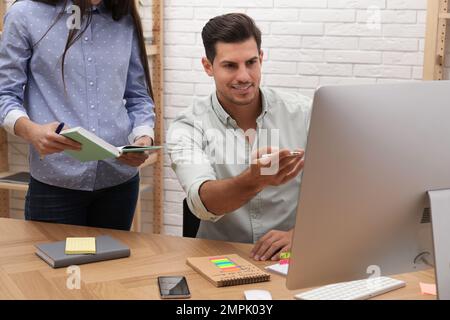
x=442, y=37
x=4, y=194
x=2, y=13
x=158, y=83
x=435, y=38
x=431, y=39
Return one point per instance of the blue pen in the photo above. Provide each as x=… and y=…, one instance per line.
x=59, y=128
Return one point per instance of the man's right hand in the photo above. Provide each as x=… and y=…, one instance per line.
x=263, y=172
x=276, y=169
x=43, y=137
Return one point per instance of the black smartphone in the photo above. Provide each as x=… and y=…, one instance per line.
x=173, y=287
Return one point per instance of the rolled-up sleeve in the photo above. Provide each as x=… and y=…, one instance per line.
x=190, y=163
x=139, y=104
x=15, y=53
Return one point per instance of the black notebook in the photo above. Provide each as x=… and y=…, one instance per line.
x=107, y=248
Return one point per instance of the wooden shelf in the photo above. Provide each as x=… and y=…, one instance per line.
x=143, y=187
x=152, y=50
x=10, y=185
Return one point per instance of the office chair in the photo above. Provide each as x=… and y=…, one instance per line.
x=190, y=222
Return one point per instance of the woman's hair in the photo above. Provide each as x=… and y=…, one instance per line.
x=118, y=9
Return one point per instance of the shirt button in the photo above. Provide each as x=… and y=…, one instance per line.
x=92, y=106
x=93, y=129
x=89, y=59
x=86, y=38
x=91, y=83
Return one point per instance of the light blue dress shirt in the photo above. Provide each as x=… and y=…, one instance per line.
x=206, y=144
x=105, y=88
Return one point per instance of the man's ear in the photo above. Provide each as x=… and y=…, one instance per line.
x=207, y=66
x=261, y=56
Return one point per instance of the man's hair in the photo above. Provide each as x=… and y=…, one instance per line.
x=229, y=28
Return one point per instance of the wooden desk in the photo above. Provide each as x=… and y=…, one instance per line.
x=25, y=276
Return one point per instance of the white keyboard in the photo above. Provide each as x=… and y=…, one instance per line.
x=353, y=290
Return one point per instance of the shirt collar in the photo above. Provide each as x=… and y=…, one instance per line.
x=265, y=104
x=100, y=8
x=219, y=110
x=224, y=117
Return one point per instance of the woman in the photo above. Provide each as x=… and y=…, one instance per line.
x=94, y=75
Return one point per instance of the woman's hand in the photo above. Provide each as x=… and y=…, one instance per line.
x=44, y=138
x=135, y=159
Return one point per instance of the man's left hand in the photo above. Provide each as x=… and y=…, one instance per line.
x=271, y=244
x=135, y=159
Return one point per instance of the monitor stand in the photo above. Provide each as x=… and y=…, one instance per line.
x=440, y=221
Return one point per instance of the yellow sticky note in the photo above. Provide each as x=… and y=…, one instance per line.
x=80, y=246
x=285, y=255
x=428, y=288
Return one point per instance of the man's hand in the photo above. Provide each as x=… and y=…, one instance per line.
x=271, y=244
x=44, y=138
x=276, y=169
x=135, y=159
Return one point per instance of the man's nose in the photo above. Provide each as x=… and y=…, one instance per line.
x=243, y=75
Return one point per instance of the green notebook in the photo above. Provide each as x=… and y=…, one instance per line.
x=95, y=148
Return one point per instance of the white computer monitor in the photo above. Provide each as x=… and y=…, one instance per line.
x=373, y=152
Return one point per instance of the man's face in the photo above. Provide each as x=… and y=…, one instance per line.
x=237, y=71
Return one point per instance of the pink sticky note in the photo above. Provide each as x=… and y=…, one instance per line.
x=284, y=261
x=428, y=288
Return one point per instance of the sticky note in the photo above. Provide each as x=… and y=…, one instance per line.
x=80, y=246
x=428, y=288
x=285, y=255
x=284, y=258
x=225, y=264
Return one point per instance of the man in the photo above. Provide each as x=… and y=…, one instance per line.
x=217, y=145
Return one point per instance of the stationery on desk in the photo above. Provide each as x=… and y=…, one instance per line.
x=227, y=270
x=282, y=266
x=95, y=148
x=105, y=248
x=80, y=246
x=428, y=288
x=281, y=269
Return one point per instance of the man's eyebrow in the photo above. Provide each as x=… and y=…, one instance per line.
x=227, y=62
x=232, y=62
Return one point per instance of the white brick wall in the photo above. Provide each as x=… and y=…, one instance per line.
x=306, y=43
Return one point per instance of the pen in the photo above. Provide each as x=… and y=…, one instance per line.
x=293, y=153
x=58, y=130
